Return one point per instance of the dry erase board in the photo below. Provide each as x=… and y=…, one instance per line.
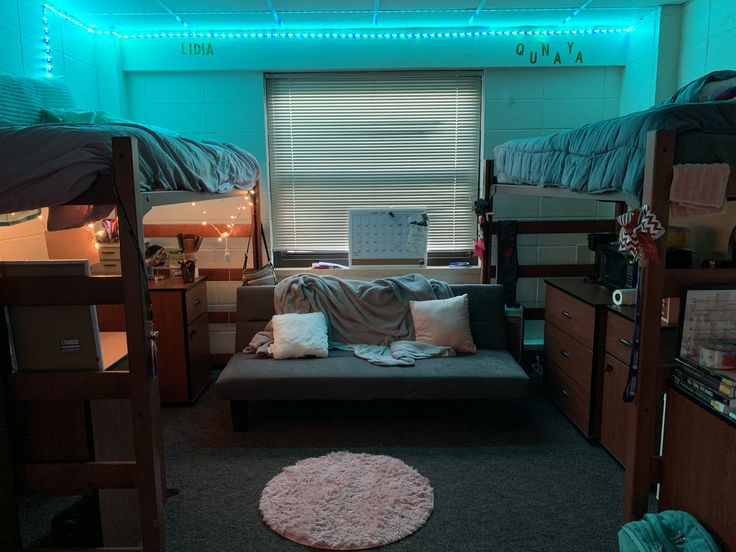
x=388, y=236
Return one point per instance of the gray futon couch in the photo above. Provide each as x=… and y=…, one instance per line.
x=491, y=373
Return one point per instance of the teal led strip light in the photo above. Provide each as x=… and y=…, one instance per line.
x=350, y=35
x=47, y=45
x=376, y=35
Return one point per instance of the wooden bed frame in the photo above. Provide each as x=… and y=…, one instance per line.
x=657, y=282
x=139, y=383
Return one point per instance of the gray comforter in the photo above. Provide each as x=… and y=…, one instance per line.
x=47, y=165
x=609, y=155
x=373, y=319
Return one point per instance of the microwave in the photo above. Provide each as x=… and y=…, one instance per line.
x=615, y=269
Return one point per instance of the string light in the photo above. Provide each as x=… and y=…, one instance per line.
x=342, y=35
x=93, y=235
x=225, y=236
x=361, y=35
x=47, y=44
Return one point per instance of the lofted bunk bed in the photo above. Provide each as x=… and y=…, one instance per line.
x=635, y=171
x=104, y=169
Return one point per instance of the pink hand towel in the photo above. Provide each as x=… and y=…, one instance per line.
x=699, y=189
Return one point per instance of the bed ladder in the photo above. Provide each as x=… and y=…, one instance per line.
x=139, y=383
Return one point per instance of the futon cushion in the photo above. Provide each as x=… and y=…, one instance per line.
x=489, y=374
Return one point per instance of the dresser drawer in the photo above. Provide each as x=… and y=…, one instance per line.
x=615, y=413
x=619, y=336
x=572, y=315
x=569, y=355
x=196, y=300
x=109, y=252
x=106, y=267
x=568, y=395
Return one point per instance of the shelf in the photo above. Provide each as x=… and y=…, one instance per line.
x=77, y=478
x=61, y=290
x=70, y=385
x=675, y=279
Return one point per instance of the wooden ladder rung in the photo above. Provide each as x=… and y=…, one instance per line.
x=70, y=385
x=76, y=478
x=61, y=290
x=92, y=549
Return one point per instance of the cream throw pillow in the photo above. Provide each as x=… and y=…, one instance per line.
x=444, y=322
x=299, y=335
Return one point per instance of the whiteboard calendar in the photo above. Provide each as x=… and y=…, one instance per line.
x=388, y=236
x=709, y=317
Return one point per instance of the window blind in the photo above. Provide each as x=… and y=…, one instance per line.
x=372, y=140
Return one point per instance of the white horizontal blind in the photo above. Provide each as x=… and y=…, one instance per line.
x=372, y=140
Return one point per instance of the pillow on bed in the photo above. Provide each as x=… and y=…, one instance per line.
x=299, y=335
x=71, y=116
x=444, y=322
x=19, y=101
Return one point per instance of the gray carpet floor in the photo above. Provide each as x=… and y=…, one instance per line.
x=509, y=476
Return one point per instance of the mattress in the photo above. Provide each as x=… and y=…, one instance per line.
x=49, y=164
x=609, y=155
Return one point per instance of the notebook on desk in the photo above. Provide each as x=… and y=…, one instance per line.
x=57, y=337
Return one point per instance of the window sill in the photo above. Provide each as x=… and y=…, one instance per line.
x=469, y=275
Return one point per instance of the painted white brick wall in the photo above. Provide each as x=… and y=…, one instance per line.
x=220, y=106
x=528, y=102
x=707, y=43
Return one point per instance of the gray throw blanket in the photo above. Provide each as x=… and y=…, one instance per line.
x=368, y=318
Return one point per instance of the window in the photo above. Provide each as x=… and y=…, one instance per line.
x=409, y=139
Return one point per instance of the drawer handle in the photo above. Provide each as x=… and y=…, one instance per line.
x=609, y=368
x=567, y=315
x=625, y=342
x=197, y=301
x=564, y=393
x=565, y=354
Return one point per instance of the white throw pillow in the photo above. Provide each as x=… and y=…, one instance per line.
x=299, y=335
x=444, y=322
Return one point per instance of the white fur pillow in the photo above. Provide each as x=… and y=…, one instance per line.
x=299, y=335
x=444, y=322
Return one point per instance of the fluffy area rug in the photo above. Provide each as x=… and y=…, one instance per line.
x=347, y=501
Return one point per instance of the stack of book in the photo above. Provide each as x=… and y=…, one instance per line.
x=714, y=388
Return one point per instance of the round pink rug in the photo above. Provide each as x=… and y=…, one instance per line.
x=347, y=501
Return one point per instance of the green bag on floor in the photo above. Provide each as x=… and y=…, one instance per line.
x=668, y=531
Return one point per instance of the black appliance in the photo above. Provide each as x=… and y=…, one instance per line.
x=613, y=268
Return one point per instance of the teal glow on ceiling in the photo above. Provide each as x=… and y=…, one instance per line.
x=134, y=17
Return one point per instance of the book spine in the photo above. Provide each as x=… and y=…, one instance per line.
x=703, y=387
x=714, y=404
x=722, y=383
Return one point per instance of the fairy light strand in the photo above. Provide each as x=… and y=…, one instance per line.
x=227, y=234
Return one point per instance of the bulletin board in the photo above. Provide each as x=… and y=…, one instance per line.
x=388, y=236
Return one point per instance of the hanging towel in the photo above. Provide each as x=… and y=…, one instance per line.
x=699, y=189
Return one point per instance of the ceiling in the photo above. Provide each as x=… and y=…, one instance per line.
x=130, y=16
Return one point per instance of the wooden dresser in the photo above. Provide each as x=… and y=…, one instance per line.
x=573, y=344
x=180, y=316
